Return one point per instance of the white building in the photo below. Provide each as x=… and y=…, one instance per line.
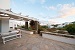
x=5, y=16
x=63, y=24
x=4, y=20
x=4, y=23
x=15, y=23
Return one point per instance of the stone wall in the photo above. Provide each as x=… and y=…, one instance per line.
x=59, y=38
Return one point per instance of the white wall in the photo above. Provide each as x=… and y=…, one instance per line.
x=0, y=26
x=5, y=25
x=14, y=23
x=5, y=4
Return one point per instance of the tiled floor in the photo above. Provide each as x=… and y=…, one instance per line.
x=35, y=42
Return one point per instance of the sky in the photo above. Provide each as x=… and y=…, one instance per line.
x=46, y=11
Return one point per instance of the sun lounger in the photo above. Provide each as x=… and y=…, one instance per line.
x=10, y=36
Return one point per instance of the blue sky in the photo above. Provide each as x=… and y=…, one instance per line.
x=47, y=11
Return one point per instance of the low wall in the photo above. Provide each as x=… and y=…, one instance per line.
x=59, y=38
x=28, y=32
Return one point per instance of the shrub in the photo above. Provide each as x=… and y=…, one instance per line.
x=61, y=28
x=41, y=28
x=51, y=29
x=23, y=26
x=70, y=28
x=55, y=25
x=44, y=27
x=29, y=28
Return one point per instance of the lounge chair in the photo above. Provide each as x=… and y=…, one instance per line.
x=11, y=35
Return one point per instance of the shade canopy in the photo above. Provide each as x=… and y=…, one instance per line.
x=9, y=14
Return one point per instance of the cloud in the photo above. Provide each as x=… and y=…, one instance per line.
x=41, y=14
x=43, y=1
x=67, y=10
x=35, y=1
x=31, y=1
x=50, y=8
x=52, y=21
x=59, y=5
x=64, y=11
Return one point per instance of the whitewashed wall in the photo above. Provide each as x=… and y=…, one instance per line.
x=14, y=23
x=0, y=26
x=4, y=25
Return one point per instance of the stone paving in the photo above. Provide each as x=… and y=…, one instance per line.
x=35, y=42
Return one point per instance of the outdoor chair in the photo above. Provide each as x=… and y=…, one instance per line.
x=11, y=35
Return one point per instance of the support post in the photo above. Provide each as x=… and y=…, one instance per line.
x=36, y=26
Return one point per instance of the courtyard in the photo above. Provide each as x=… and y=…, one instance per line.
x=35, y=42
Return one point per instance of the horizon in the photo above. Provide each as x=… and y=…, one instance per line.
x=46, y=11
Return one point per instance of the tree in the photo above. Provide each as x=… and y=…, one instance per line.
x=70, y=28
x=44, y=26
x=32, y=24
x=55, y=25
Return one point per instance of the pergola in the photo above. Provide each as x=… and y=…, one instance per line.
x=4, y=15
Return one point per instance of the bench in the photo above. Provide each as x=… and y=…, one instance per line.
x=10, y=36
